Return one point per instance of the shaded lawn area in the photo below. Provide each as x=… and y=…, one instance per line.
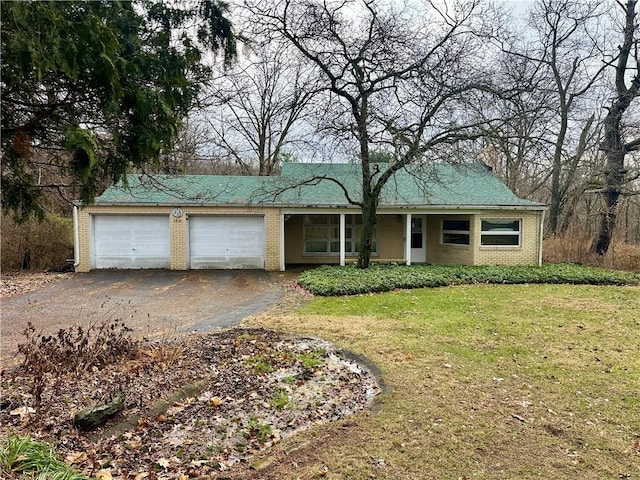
x=490, y=382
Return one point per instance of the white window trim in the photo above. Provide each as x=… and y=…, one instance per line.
x=328, y=240
x=457, y=232
x=511, y=233
x=349, y=222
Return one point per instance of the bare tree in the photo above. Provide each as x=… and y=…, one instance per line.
x=396, y=79
x=563, y=56
x=619, y=138
x=517, y=147
x=256, y=107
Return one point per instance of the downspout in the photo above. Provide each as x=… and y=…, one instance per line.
x=541, y=239
x=76, y=238
x=282, y=245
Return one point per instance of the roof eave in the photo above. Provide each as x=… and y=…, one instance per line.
x=316, y=206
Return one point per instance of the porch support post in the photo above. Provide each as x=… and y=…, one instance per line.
x=342, y=240
x=282, y=267
x=540, y=238
x=407, y=242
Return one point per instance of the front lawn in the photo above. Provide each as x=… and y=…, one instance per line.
x=485, y=382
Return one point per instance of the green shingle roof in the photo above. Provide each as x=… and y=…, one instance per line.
x=303, y=184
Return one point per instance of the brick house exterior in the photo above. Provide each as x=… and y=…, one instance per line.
x=448, y=215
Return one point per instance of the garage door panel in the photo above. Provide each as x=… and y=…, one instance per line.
x=131, y=242
x=226, y=242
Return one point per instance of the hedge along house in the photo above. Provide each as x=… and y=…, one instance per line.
x=440, y=214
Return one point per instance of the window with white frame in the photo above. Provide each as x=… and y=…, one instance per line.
x=455, y=232
x=500, y=232
x=322, y=235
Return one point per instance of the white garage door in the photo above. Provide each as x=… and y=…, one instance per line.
x=131, y=241
x=226, y=242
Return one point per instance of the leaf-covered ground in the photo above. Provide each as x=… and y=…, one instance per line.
x=18, y=284
x=194, y=407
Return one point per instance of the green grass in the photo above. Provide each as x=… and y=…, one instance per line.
x=350, y=280
x=261, y=364
x=280, y=400
x=486, y=381
x=22, y=457
x=311, y=360
x=257, y=429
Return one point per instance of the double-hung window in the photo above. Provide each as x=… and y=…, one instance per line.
x=500, y=233
x=322, y=235
x=455, y=232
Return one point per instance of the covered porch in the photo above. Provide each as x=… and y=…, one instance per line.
x=412, y=237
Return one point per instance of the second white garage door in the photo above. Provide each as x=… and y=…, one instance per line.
x=226, y=242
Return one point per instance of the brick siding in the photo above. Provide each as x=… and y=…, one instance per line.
x=391, y=232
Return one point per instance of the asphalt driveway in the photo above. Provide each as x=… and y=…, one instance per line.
x=154, y=303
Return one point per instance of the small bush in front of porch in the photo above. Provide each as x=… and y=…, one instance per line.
x=350, y=280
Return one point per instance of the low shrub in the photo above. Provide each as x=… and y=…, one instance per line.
x=574, y=247
x=73, y=351
x=624, y=256
x=22, y=457
x=36, y=245
x=350, y=280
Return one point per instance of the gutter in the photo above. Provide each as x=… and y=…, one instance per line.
x=328, y=206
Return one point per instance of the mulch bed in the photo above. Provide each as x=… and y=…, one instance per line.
x=195, y=406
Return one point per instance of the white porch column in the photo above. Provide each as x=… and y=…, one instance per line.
x=342, y=240
x=540, y=239
x=282, y=267
x=407, y=242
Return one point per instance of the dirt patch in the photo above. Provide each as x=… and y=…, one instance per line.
x=231, y=394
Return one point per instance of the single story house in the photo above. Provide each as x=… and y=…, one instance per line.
x=437, y=214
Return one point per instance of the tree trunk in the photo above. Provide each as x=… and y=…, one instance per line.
x=369, y=208
x=613, y=180
x=556, y=199
x=613, y=143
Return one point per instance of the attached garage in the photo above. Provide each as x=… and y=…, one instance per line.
x=232, y=242
x=131, y=241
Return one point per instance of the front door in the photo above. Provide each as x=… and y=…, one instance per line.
x=418, y=239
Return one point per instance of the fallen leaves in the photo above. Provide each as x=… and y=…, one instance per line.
x=18, y=284
x=76, y=457
x=104, y=474
x=230, y=416
x=22, y=412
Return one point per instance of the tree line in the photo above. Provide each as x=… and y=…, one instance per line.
x=547, y=99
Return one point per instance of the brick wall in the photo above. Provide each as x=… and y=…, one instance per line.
x=440, y=254
x=390, y=236
x=391, y=231
x=179, y=230
x=476, y=254
x=525, y=254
